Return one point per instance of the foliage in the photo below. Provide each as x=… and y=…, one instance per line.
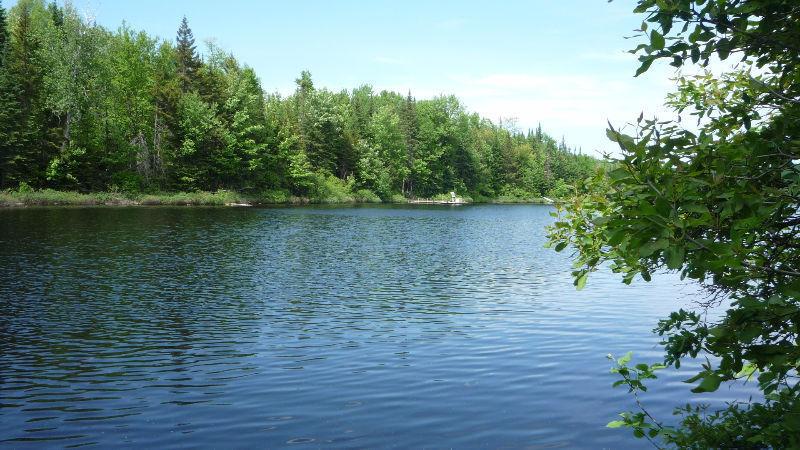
x=87, y=109
x=27, y=196
x=718, y=204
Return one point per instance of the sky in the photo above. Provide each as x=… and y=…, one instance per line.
x=561, y=63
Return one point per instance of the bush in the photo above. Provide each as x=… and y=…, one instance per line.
x=24, y=188
x=128, y=183
x=330, y=189
x=560, y=190
x=275, y=196
x=517, y=195
x=219, y=198
x=366, y=196
x=397, y=198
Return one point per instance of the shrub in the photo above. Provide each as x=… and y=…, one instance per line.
x=330, y=189
x=275, y=196
x=366, y=196
x=24, y=188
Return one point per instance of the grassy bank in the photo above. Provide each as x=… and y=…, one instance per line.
x=47, y=197
x=50, y=197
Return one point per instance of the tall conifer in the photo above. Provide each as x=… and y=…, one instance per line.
x=20, y=158
x=6, y=104
x=3, y=34
x=188, y=60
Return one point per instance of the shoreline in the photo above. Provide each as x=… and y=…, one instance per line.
x=44, y=198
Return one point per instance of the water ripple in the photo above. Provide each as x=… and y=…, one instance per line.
x=308, y=327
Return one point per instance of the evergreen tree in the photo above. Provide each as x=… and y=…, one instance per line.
x=3, y=34
x=304, y=84
x=188, y=61
x=23, y=72
x=56, y=14
x=9, y=110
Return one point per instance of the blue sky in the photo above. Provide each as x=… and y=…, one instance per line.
x=561, y=63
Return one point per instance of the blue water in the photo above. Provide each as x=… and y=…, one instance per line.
x=342, y=327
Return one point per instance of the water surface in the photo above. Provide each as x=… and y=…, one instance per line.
x=351, y=327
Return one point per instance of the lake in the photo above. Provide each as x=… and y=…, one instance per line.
x=342, y=327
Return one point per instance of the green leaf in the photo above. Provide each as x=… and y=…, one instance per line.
x=651, y=247
x=747, y=371
x=695, y=208
x=656, y=40
x=710, y=383
x=695, y=54
x=675, y=257
x=791, y=421
x=645, y=66
x=616, y=424
x=580, y=282
x=724, y=48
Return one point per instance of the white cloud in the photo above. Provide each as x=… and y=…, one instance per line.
x=575, y=106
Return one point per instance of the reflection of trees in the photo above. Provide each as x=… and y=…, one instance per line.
x=107, y=300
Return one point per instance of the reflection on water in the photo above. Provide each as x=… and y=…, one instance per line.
x=343, y=327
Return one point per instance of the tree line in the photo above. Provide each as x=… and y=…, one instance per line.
x=88, y=109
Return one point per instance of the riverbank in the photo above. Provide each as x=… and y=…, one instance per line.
x=49, y=197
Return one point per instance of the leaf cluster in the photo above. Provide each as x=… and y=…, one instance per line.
x=717, y=203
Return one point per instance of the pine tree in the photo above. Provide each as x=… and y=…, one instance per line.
x=188, y=61
x=24, y=159
x=304, y=84
x=8, y=113
x=56, y=14
x=3, y=35
x=23, y=54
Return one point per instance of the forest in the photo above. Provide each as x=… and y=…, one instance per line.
x=86, y=109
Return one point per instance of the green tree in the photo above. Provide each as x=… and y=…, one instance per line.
x=410, y=124
x=189, y=62
x=196, y=165
x=719, y=205
x=383, y=164
x=244, y=113
x=325, y=134
x=3, y=34
x=10, y=111
x=69, y=53
x=131, y=110
x=25, y=70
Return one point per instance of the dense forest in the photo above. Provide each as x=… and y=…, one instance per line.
x=86, y=109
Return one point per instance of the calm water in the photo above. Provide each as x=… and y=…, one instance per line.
x=312, y=327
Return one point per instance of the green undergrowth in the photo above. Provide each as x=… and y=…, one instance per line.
x=330, y=193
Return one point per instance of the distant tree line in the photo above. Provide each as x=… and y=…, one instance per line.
x=84, y=108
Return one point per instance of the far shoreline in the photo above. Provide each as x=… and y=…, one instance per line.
x=231, y=199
